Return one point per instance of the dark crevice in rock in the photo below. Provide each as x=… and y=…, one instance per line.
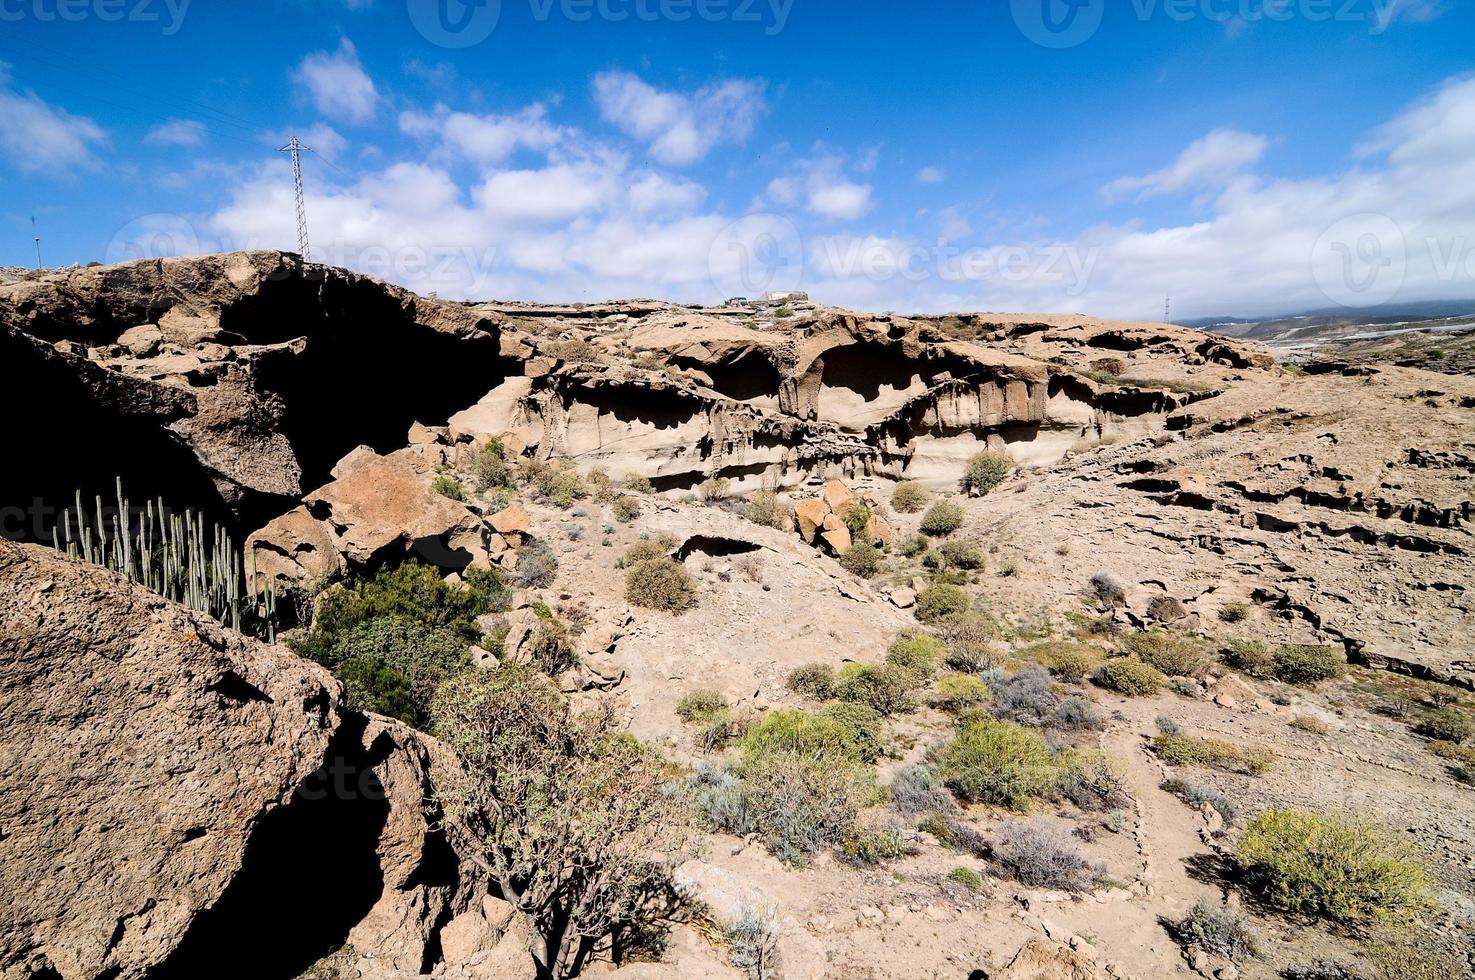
x=310, y=872
x=233, y=687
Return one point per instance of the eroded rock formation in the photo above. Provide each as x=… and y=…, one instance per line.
x=176, y=799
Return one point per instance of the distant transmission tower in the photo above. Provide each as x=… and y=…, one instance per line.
x=1167, y=309
x=296, y=149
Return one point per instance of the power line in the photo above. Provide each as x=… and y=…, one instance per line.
x=295, y=148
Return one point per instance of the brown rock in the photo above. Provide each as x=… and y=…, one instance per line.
x=903, y=598
x=515, y=519
x=838, y=497
x=811, y=516
x=838, y=539
x=211, y=770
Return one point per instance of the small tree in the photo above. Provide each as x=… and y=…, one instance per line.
x=566, y=814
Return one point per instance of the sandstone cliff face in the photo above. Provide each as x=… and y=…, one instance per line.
x=245, y=377
x=215, y=375
x=179, y=802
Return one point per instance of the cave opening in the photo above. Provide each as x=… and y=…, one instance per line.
x=310, y=872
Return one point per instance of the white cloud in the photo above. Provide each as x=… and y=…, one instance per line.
x=930, y=175
x=555, y=193
x=338, y=85
x=1208, y=163
x=841, y=200
x=952, y=226
x=820, y=183
x=36, y=137
x=177, y=132
x=679, y=128
x=486, y=139
x=585, y=226
x=654, y=193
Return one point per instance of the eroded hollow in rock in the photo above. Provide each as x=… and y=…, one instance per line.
x=309, y=874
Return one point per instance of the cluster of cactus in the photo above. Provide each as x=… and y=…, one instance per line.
x=178, y=556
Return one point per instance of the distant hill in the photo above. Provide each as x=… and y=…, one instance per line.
x=1336, y=322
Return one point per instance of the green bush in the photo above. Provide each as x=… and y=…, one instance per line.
x=913, y=546
x=371, y=685
x=1178, y=749
x=626, y=509
x=1234, y=612
x=1335, y=865
x=970, y=880
x=767, y=508
x=1251, y=657
x=490, y=466
x=1447, y=724
x=699, y=703
x=645, y=549
x=798, y=804
x=1305, y=666
x=554, y=481
x=1217, y=929
x=857, y=518
x=909, y=497
x=941, y=601
x=999, y=762
x=1173, y=654
x=413, y=591
x=813, y=681
x=970, y=640
x=392, y=665
x=836, y=734
x=660, y=583
x=962, y=554
x=958, y=693
x=916, y=653
x=537, y=565
x=941, y=519
x=862, y=559
x=715, y=488
x=636, y=483
x=985, y=471
x=447, y=486
x=1066, y=659
x=1308, y=665
x=883, y=687
x=1130, y=677
x=868, y=847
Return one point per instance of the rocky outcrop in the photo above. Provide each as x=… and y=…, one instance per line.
x=210, y=378
x=178, y=801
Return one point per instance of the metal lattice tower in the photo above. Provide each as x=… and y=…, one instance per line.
x=1167, y=309
x=296, y=148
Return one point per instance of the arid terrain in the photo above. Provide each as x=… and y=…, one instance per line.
x=913, y=555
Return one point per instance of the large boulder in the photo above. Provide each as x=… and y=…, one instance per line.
x=180, y=801
x=379, y=507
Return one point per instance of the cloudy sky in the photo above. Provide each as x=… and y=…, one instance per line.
x=1246, y=157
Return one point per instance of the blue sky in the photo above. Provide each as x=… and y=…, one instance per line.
x=1246, y=156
